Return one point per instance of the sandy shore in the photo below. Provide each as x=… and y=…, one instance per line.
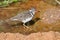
x=33, y=36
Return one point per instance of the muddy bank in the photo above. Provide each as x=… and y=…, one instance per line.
x=33, y=36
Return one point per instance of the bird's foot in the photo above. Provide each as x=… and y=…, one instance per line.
x=25, y=26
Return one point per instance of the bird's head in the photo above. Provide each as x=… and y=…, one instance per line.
x=32, y=11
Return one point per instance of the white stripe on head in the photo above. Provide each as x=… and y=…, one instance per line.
x=32, y=10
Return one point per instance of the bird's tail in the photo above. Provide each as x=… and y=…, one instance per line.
x=2, y=22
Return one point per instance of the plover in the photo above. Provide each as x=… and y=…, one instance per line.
x=24, y=16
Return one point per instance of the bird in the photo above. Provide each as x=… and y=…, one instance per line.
x=24, y=16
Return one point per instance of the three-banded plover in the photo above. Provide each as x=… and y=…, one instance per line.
x=24, y=16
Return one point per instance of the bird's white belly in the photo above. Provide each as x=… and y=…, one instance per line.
x=26, y=20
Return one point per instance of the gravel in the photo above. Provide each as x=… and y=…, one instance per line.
x=51, y=15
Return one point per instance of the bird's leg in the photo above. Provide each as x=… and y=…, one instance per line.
x=28, y=27
x=25, y=25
